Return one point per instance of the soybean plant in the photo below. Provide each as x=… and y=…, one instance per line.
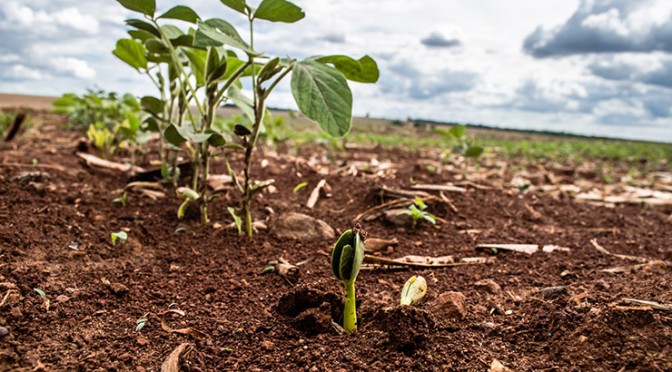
x=346, y=260
x=202, y=70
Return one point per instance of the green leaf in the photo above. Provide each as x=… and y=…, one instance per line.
x=279, y=11
x=299, y=187
x=458, y=131
x=121, y=236
x=345, y=239
x=156, y=46
x=152, y=105
x=243, y=102
x=141, y=35
x=364, y=70
x=474, y=151
x=347, y=259
x=182, y=13
x=171, y=32
x=429, y=217
x=132, y=52
x=216, y=139
x=238, y=221
x=144, y=26
x=444, y=132
x=197, y=60
x=323, y=95
x=173, y=136
x=218, y=32
x=237, y=5
x=146, y=7
x=40, y=292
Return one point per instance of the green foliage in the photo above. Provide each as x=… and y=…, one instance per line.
x=122, y=199
x=200, y=68
x=95, y=106
x=418, y=212
x=236, y=219
x=299, y=187
x=346, y=260
x=461, y=144
x=121, y=236
x=40, y=292
x=5, y=122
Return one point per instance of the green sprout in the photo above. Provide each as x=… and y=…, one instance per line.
x=121, y=236
x=189, y=195
x=414, y=290
x=236, y=219
x=299, y=187
x=417, y=212
x=122, y=199
x=346, y=260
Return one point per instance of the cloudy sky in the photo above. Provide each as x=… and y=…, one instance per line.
x=598, y=67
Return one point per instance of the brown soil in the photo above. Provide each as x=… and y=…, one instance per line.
x=55, y=235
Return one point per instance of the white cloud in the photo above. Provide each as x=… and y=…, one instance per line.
x=19, y=72
x=76, y=67
x=487, y=79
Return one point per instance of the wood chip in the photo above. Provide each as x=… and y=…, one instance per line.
x=651, y=304
x=522, y=248
x=415, y=261
x=622, y=256
x=315, y=194
x=94, y=161
x=446, y=188
x=193, y=332
x=172, y=362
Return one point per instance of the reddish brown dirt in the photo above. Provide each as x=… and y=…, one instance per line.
x=97, y=292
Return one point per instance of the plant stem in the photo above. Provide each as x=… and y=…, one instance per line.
x=350, y=312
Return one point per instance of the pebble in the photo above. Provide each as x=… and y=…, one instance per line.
x=142, y=341
x=267, y=345
x=488, y=285
x=3, y=332
x=450, y=305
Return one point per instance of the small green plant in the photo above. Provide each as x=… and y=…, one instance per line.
x=299, y=187
x=40, y=292
x=121, y=236
x=418, y=212
x=346, y=260
x=140, y=323
x=122, y=199
x=5, y=122
x=461, y=144
x=201, y=69
x=102, y=138
x=236, y=219
x=414, y=290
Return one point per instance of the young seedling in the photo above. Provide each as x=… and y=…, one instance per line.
x=189, y=195
x=414, y=290
x=346, y=260
x=121, y=236
x=418, y=212
x=462, y=144
x=122, y=199
x=236, y=219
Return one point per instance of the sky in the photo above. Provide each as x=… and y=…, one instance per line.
x=593, y=67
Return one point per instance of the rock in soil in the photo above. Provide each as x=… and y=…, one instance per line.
x=450, y=305
x=552, y=292
x=397, y=218
x=408, y=328
x=3, y=332
x=489, y=286
x=300, y=226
